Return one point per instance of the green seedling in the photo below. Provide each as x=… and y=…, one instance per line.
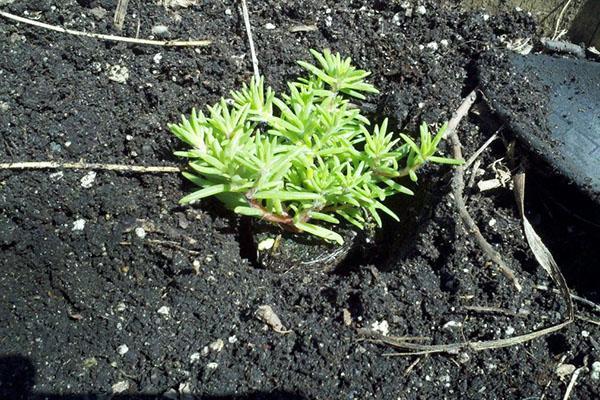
x=305, y=159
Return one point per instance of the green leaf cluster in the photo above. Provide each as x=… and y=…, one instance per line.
x=305, y=159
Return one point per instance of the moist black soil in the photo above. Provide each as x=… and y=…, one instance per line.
x=161, y=299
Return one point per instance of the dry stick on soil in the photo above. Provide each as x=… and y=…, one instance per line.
x=89, y=166
x=250, y=40
x=458, y=186
x=574, y=377
x=541, y=254
x=120, y=14
x=179, y=43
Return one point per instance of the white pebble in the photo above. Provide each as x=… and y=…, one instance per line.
x=212, y=365
x=269, y=26
x=88, y=180
x=140, y=232
x=217, y=345
x=157, y=57
x=232, y=339
x=129, y=138
x=432, y=45
x=492, y=222
x=160, y=29
x=56, y=176
x=509, y=331
x=122, y=349
x=164, y=310
x=120, y=387
x=595, y=375
x=228, y=11
x=118, y=74
x=486, y=17
x=78, y=225
x=585, y=333
x=194, y=357
x=451, y=324
x=266, y=244
x=328, y=21
x=382, y=327
x=421, y=10
x=444, y=42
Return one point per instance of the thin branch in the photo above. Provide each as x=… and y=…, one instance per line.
x=573, y=381
x=113, y=38
x=250, y=40
x=88, y=166
x=458, y=186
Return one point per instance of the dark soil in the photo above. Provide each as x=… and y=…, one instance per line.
x=70, y=299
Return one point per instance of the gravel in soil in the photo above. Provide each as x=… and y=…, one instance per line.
x=107, y=285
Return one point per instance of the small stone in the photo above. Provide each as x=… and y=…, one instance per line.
x=464, y=358
x=157, y=57
x=486, y=17
x=56, y=176
x=509, y=331
x=228, y=11
x=232, y=339
x=164, y=310
x=328, y=21
x=396, y=18
x=140, y=232
x=266, y=244
x=444, y=42
x=432, y=46
x=88, y=180
x=565, y=370
x=160, y=30
x=129, y=138
x=122, y=349
x=381, y=327
x=217, y=345
x=212, y=365
x=269, y=26
x=346, y=317
x=194, y=357
x=421, y=10
x=99, y=13
x=585, y=334
x=118, y=74
x=451, y=325
x=121, y=307
x=204, y=351
x=492, y=222
x=595, y=371
x=78, y=225
x=120, y=387
x=4, y=106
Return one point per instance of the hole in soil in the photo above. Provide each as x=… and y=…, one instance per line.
x=557, y=344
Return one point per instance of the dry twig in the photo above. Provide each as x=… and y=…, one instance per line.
x=458, y=186
x=88, y=166
x=176, y=43
x=250, y=40
x=573, y=381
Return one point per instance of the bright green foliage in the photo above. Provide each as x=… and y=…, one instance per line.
x=305, y=159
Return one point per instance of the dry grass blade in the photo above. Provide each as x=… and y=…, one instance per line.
x=88, y=166
x=174, y=43
x=250, y=40
x=120, y=13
